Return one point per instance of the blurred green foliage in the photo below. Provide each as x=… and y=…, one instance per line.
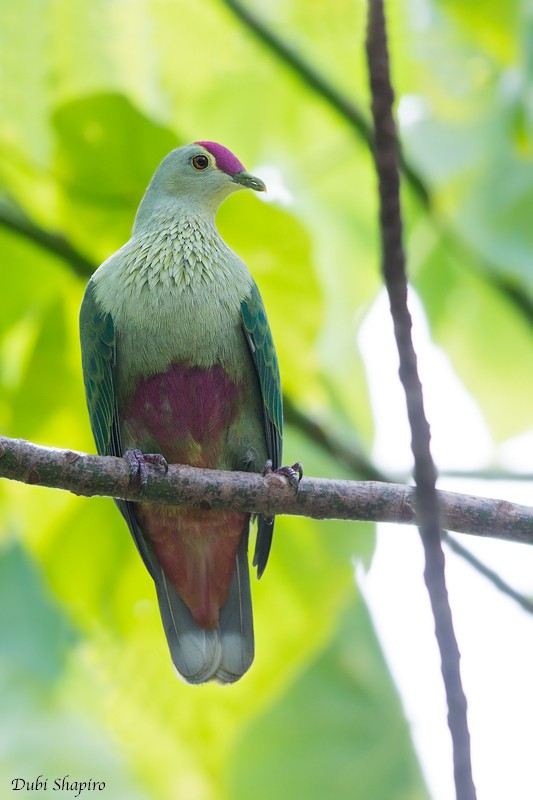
x=93, y=95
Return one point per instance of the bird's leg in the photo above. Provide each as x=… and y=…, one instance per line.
x=294, y=473
x=138, y=461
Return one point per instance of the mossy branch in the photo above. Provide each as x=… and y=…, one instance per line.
x=319, y=498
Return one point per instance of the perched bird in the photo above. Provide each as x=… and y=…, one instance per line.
x=179, y=367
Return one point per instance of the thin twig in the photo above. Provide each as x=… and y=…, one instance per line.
x=505, y=588
x=488, y=475
x=386, y=157
x=15, y=219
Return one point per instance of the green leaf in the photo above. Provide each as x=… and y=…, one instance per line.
x=47, y=377
x=106, y=153
x=35, y=632
x=336, y=731
x=499, y=29
x=463, y=310
x=277, y=249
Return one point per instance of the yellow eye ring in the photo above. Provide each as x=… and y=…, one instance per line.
x=200, y=162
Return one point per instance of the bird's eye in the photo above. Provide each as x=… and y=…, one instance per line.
x=200, y=162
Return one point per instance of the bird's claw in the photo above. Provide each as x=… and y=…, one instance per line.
x=294, y=473
x=138, y=461
x=267, y=469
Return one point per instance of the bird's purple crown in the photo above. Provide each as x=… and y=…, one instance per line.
x=224, y=158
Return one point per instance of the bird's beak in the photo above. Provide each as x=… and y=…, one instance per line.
x=249, y=181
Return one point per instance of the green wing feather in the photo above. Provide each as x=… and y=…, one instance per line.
x=259, y=338
x=97, y=335
x=98, y=356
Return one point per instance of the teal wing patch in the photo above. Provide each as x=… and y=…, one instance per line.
x=97, y=336
x=261, y=345
x=98, y=356
x=264, y=355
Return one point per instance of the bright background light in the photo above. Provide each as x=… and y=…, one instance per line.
x=495, y=635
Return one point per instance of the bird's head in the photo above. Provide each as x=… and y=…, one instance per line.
x=201, y=176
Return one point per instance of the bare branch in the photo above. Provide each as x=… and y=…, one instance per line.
x=497, y=581
x=15, y=219
x=319, y=498
x=428, y=511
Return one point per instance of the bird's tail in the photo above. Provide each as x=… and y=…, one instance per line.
x=221, y=654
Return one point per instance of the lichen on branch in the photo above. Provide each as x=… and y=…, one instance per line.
x=319, y=498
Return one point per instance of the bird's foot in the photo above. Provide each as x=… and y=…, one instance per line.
x=138, y=461
x=294, y=473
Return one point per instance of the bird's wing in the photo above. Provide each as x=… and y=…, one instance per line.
x=261, y=345
x=98, y=356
